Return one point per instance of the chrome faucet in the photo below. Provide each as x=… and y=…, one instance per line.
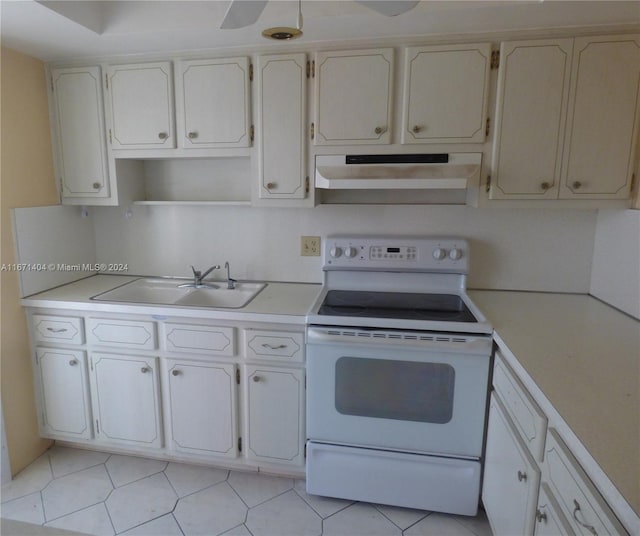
x=198, y=278
x=231, y=283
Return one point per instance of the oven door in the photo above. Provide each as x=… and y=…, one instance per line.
x=408, y=391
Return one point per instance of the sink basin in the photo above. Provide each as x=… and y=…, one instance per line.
x=168, y=292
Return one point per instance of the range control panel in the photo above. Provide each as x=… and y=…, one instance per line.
x=394, y=253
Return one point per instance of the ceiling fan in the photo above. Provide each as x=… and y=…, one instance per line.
x=241, y=13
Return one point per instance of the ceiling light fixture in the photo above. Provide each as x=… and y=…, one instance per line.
x=285, y=33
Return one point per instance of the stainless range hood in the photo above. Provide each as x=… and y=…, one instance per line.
x=440, y=171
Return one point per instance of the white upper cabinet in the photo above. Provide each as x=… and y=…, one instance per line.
x=141, y=102
x=602, y=122
x=79, y=133
x=213, y=103
x=353, y=97
x=446, y=93
x=533, y=87
x=567, y=118
x=281, y=121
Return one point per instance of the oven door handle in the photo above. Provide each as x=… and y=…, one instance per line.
x=446, y=342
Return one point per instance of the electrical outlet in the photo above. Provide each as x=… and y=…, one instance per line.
x=310, y=246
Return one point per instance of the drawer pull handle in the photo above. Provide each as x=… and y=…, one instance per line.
x=176, y=372
x=522, y=476
x=541, y=516
x=57, y=330
x=577, y=509
x=274, y=346
x=73, y=362
x=144, y=370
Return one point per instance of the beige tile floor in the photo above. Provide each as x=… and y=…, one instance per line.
x=106, y=494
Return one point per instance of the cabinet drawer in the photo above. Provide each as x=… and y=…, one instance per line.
x=189, y=338
x=579, y=500
x=129, y=333
x=58, y=329
x=279, y=345
x=550, y=521
x=527, y=416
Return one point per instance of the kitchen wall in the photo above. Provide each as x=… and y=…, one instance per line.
x=27, y=179
x=615, y=274
x=530, y=249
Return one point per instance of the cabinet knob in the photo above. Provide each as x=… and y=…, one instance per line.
x=545, y=185
x=577, y=185
x=416, y=128
x=73, y=362
x=163, y=135
x=541, y=516
x=176, y=372
x=144, y=370
x=271, y=185
x=97, y=185
x=522, y=476
x=192, y=135
x=256, y=379
x=380, y=130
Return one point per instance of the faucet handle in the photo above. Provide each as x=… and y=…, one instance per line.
x=196, y=273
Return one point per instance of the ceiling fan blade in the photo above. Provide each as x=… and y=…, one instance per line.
x=241, y=13
x=390, y=8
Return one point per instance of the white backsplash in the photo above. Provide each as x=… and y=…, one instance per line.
x=529, y=249
x=615, y=275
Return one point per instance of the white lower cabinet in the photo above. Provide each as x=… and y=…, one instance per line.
x=126, y=401
x=202, y=407
x=61, y=376
x=220, y=392
x=274, y=414
x=532, y=483
x=550, y=521
x=511, y=476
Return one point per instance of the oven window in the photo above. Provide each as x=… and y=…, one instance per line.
x=399, y=390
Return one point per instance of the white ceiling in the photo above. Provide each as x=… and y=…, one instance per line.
x=73, y=29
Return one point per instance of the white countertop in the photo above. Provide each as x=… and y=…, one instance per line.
x=580, y=359
x=277, y=302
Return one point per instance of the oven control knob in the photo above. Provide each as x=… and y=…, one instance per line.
x=350, y=252
x=335, y=252
x=455, y=254
x=439, y=254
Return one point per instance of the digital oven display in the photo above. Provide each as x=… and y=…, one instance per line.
x=383, y=253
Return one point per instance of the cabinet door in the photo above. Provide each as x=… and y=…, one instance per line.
x=533, y=87
x=79, y=132
x=550, y=521
x=511, y=477
x=202, y=399
x=281, y=122
x=125, y=399
x=64, y=394
x=212, y=101
x=274, y=417
x=445, y=93
x=603, y=118
x=353, y=97
x=141, y=99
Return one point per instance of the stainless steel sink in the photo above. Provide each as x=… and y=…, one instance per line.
x=161, y=291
